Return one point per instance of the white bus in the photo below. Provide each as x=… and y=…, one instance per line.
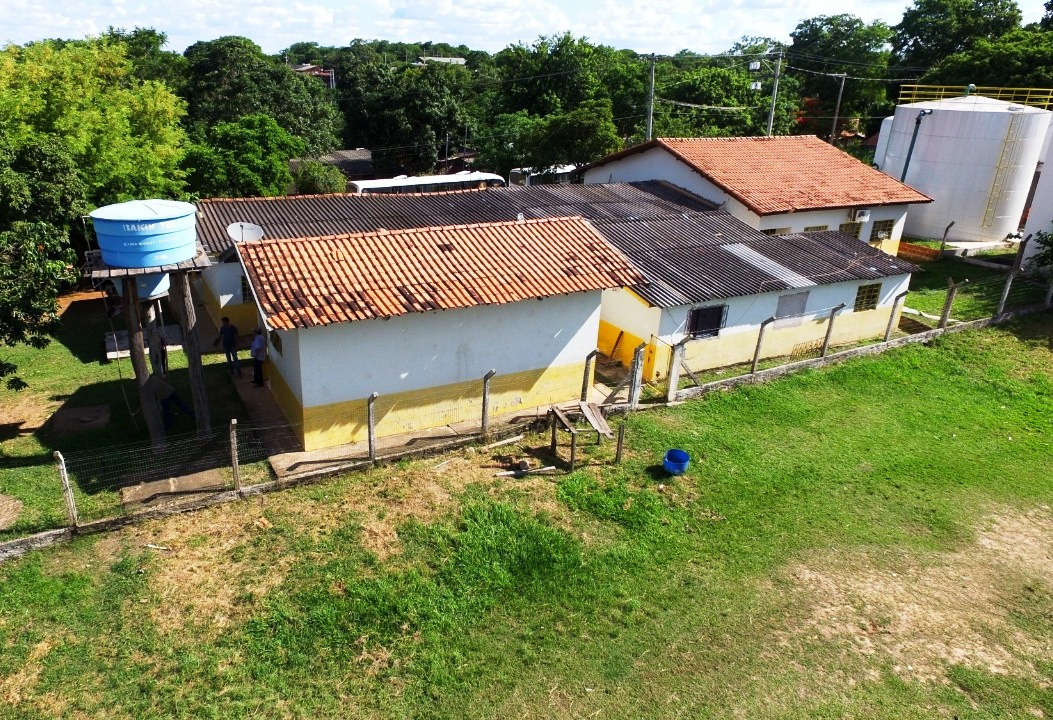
x=558, y=175
x=465, y=180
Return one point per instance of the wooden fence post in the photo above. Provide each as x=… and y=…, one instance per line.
x=951, y=292
x=573, y=448
x=760, y=340
x=234, y=456
x=1049, y=292
x=486, y=402
x=371, y=419
x=137, y=355
x=636, y=380
x=1017, y=262
x=830, y=328
x=892, y=318
x=621, y=442
x=67, y=490
x=590, y=362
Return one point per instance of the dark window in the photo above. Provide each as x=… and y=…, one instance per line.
x=706, y=321
x=246, y=291
x=867, y=297
x=276, y=341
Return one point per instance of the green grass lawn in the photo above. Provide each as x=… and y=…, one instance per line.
x=976, y=299
x=72, y=372
x=868, y=540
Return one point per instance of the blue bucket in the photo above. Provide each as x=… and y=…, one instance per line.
x=676, y=462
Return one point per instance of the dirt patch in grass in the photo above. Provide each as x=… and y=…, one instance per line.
x=927, y=612
x=26, y=412
x=10, y=509
x=14, y=688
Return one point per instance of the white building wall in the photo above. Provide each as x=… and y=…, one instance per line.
x=658, y=164
x=625, y=310
x=287, y=362
x=745, y=314
x=348, y=361
x=224, y=282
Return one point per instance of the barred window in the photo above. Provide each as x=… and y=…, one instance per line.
x=854, y=229
x=246, y=291
x=816, y=228
x=776, y=231
x=867, y=297
x=881, y=230
x=706, y=321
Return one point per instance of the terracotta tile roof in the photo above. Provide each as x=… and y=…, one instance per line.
x=784, y=173
x=307, y=282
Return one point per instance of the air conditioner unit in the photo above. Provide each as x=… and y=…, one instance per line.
x=860, y=216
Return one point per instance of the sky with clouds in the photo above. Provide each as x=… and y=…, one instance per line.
x=660, y=26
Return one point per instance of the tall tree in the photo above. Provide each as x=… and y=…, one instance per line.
x=150, y=61
x=933, y=29
x=1020, y=58
x=231, y=77
x=245, y=158
x=825, y=46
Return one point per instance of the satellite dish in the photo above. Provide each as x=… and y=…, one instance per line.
x=244, y=232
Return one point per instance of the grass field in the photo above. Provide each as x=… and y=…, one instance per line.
x=976, y=299
x=72, y=372
x=870, y=540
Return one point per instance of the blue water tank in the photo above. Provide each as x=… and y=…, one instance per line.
x=147, y=287
x=146, y=233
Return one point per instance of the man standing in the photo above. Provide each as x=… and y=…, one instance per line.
x=166, y=397
x=259, y=354
x=228, y=335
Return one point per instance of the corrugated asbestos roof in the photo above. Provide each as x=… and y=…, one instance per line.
x=687, y=260
x=314, y=215
x=790, y=173
x=315, y=281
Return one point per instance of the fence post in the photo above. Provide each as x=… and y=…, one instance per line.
x=760, y=340
x=552, y=422
x=621, y=442
x=892, y=317
x=951, y=292
x=573, y=448
x=486, y=402
x=590, y=361
x=673, y=376
x=830, y=328
x=67, y=490
x=371, y=419
x=636, y=382
x=234, y=456
x=1012, y=275
x=1049, y=291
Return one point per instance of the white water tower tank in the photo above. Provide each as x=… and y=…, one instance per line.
x=882, y=142
x=974, y=156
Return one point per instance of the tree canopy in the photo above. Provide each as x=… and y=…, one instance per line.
x=934, y=29
x=248, y=157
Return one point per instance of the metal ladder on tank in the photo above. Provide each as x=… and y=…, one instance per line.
x=1005, y=159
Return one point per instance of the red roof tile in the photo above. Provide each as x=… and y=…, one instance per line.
x=785, y=173
x=307, y=282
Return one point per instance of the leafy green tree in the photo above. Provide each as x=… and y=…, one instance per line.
x=577, y=137
x=231, y=77
x=39, y=182
x=555, y=74
x=36, y=261
x=315, y=178
x=122, y=134
x=1020, y=58
x=1047, y=20
x=150, y=61
x=933, y=29
x=245, y=158
x=509, y=142
x=824, y=46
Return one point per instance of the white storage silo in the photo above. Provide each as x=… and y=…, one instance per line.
x=975, y=156
x=882, y=142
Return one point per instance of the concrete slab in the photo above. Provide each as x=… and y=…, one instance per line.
x=162, y=490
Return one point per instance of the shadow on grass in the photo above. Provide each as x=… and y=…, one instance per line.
x=84, y=328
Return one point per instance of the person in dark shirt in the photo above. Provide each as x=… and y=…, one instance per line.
x=228, y=335
x=166, y=396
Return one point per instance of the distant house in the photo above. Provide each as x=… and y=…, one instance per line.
x=424, y=60
x=327, y=76
x=713, y=280
x=225, y=289
x=420, y=316
x=778, y=185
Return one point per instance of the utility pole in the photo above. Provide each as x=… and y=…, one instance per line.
x=774, y=91
x=837, y=108
x=650, y=101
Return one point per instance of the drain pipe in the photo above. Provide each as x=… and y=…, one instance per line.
x=913, y=139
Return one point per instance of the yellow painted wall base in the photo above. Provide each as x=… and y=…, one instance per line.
x=731, y=349
x=339, y=423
